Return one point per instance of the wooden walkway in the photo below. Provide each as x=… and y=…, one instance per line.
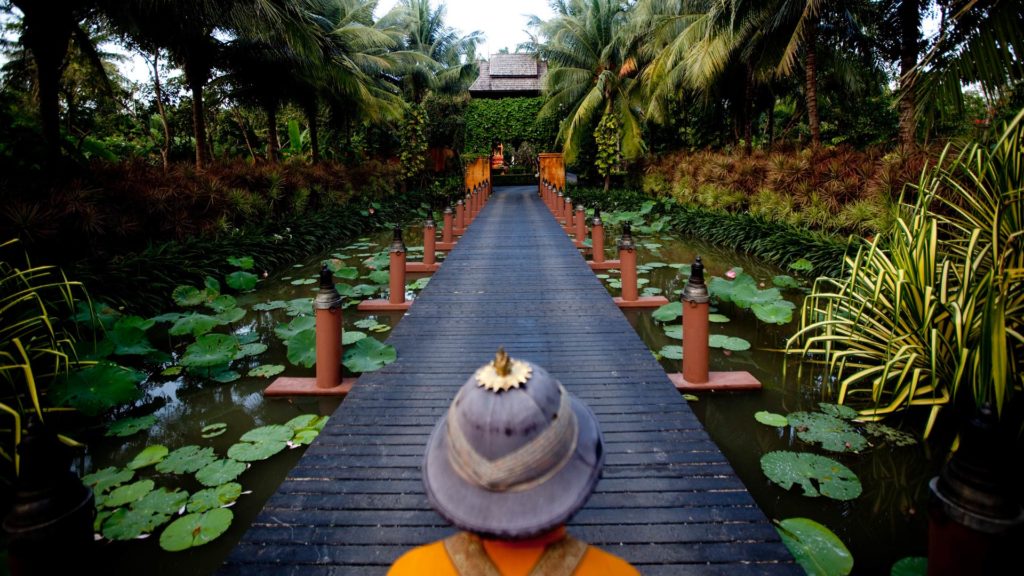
x=668, y=502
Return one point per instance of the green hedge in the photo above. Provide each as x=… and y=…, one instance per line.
x=507, y=120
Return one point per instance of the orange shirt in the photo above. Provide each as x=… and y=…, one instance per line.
x=511, y=557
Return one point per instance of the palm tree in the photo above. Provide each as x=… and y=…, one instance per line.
x=591, y=74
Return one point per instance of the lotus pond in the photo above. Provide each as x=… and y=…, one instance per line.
x=204, y=366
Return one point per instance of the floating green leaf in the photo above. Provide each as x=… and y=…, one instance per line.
x=97, y=388
x=833, y=479
x=777, y=312
x=910, y=566
x=802, y=265
x=303, y=281
x=655, y=264
x=128, y=524
x=691, y=398
x=312, y=421
x=367, y=323
x=351, y=337
x=195, y=529
x=230, y=316
x=833, y=434
x=838, y=410
x=212, y=287
x=130, y=426
x=169, y=317
x=784, y=281
x=148, y=456
x=889, y=434
x=101, y=480
x=349, y=273
x=186, y=460
x=242, y=281
x=368, y=355
x=130, y=341
x=266, y=371
x=210, y=498
x=188, y=296
x=226, y=376
x=816, y=548
x=718, y=318
x=214, y=430
x=254, y=451
x=271, y=433
x=253, y=349
x=194, y=324
x=298, y=324
x=305, y=437
x=171, y=371
x=222, y=303
x=268, y=306
x=379, y=277
x=420, y=283
x=668, y=312
x=128, y=493
x=771, y=419
x=672, y=352
x=211, y=350
x=302, y=348
x=733, y=343
x=299, y=307
x=674, y=331
x=135, y=322
x=220, y=472
x=162, y=501
x=243, y=262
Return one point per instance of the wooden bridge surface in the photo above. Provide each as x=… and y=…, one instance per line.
x=669, y=502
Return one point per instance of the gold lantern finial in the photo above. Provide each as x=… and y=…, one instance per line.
x=504, y=373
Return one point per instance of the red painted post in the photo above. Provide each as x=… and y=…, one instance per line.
x=328, y=332
x=581, y=224
x=460, y=215
x=429, y=241
x=597, y=237
x=695, y=326
x=396, y=280
x=567, y=214
x=446, y=234
x=627, y=257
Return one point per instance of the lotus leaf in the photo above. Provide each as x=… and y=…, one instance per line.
x=691, y=398
x=96, y=350
x=186, y=460
x=253, y=349
x=242, y=281
x=733, y=343
x=299, y=307
x=747, y=295
x=367, y=323
x=100, y=312
x=230, y=316
x=222, y=303
x=723, y=289
x=672, y=352
x=211, y=350
x=130, y=426
x=910, y=566
x=307, y=421
x=771, y=419
x=254, y=451
x=243, y=262
x=651, y=291
x=615, y=283
x=169, y=317
x=363, y=290
x=101, y=517
x=379, y=277
x=212, y=287
x=832, y=433
x=777, y=312
x=603, y=276
x=838, y=410
x=351, y=337
x=298, y=324
x=128, y=493
x=420, y=283
x=674, y=331
x=347, y=273
x=225, y=376
x=304, y=281
x=210, y=498
x=219, y=472
x=162, y=501
x=95, y=389
x=171, y=371
x=130, y=341
x=101, y=480
x=266, y=371
x=380, y=328
x=271, y=433
x=802, y=265
x=833, y=479
x=194, y=324
x=214, y=430
x=718, y=318
x=668, y=312
x=135, y=322
x=268, y=306
x=368, y=355
x=148, y=456
x=195, y=529
x=305, y=437
x=128, y=524
x=889, y=434
x=656, y=264
x=784, y=281
x=302, y=349
x=684, y=269
x=816, y=548
x=188, y=296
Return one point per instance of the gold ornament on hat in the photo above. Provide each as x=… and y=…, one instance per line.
x=503, y=373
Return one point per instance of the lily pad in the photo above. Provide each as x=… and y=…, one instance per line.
x=674, y=331
x=379, y=277
x=785, y=281
x=305, y=437
x=226, y=376
x=718, y=318
x=195, y=529
x=222, y=303
x=242, y=281
x=128, y=524
x=910, y=566
x=349, y=273
x=732, y=343
x=838, y=410
x=771, y=419
x=368, y=355
x=97, y=388
x=817, y=475
x=351, y=337
x=128, y=493
x=102, y=480
x=271, y=433
x=254, y=451
x=194, y=324
x=171, y=371
x=299, y=307
x=210, y=498
x=312, y=421
x=816, y=548
x=889, y=434
x=297, y=325
x=214, y=430
x=149, y=456
x=367, y=323
x=231, y=316
x=253, y=349
x=162, y=501
x=691, y=397
x=777, y=312
x=802, y=265
x=420, y=283
x=303, y=281
x=188, y=296
x=130, y=341
x=220, y=472
x=266, y=371
x=243, y=262
x=268, y=306
x=212, y=287
x=211, y=350
x=833, y=434
x=302, y=348
x=668, y=312
x=186, y=460
x=672, y=352
x=139, y=322
x=130, y=426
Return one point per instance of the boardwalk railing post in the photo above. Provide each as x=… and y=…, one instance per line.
x=581, y=225
x=597, y=237
x=447, y=236
x=695, y=302
x=460, y=217
x=627, y=259
x=396, y=280
x=328, y=382
x=567, y=215
x=559, y=207
x=429, y=264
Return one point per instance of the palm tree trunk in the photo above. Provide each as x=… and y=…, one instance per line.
x=47, y=36
x=158, y=94
x=199, y=124
x=811, y=83
x=272, y=141
x=748, y=111
x=910, y=26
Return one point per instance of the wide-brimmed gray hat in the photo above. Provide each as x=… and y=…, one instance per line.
x=515, y=456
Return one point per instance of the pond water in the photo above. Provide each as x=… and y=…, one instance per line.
x=886, y=523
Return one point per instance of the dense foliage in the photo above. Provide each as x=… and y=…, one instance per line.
x=511, y=121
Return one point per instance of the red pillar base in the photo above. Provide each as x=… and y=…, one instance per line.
x=642, y=302
x=382, y=306
x=606, y=265
x=445, y=246
x=421, y=268
x=306, y=387
x=457, y=232
x=718, y=381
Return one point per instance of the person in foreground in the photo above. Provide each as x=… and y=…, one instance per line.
x=512, y=460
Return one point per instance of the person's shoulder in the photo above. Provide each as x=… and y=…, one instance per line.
x=598, y=562
x=429, y=559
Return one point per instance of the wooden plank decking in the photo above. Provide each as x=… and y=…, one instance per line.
x=668, y=502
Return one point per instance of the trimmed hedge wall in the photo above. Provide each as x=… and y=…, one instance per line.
x=507, y=120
